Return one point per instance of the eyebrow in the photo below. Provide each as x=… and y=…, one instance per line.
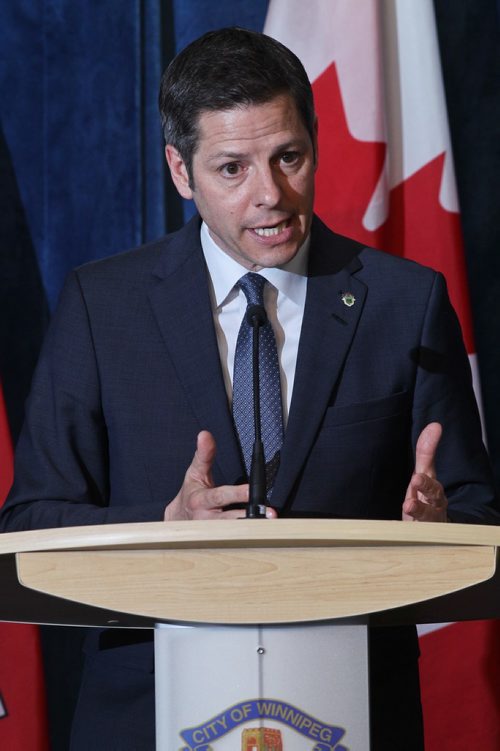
x=228, y=155
x=238, y=155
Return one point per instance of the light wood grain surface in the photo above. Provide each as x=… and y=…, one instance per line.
x=260, y=585
x=249, y=533
x=254, y=571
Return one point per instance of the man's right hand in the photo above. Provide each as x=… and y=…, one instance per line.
x=198, y=498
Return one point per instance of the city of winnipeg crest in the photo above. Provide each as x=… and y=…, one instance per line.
x=317, y=735
x=261, y=739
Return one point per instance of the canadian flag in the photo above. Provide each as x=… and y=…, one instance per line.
x=386, y=178
x=23, y=723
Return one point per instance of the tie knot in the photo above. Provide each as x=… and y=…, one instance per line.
x=253, y=287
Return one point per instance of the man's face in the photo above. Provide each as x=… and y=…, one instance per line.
x=253, y=180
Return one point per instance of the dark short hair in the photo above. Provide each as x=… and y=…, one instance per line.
x=225, y=69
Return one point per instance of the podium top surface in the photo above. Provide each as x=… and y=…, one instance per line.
x=250, y=571
x=249, y=533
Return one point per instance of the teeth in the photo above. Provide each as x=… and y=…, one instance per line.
x=270, y=231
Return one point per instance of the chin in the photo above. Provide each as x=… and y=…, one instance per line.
x=281, y=257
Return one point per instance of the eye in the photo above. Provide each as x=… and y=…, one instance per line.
x=289, y=157
x=231, y=169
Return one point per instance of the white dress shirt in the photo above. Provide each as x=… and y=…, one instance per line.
x=284, y=300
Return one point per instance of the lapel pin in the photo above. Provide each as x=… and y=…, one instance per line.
x=348, y=299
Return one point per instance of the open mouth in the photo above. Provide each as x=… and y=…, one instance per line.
x=271, y=231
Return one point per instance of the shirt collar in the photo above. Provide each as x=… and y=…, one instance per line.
x=224, y=271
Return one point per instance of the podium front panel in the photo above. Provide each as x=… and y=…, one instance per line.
x=255, y=688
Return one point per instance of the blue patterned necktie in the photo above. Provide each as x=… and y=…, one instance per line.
x=270, y=387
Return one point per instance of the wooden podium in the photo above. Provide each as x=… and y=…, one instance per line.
x=260, y=625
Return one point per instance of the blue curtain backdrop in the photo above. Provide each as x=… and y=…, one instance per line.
x=79, y=116
x=82, y=174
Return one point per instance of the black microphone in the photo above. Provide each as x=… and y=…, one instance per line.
x=256, y=508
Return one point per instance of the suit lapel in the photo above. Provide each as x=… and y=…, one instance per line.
x=328, y=328
x=180, y=300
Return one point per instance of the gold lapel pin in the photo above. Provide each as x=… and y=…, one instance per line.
x=348, y=299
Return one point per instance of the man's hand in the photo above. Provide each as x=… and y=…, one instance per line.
x=198, y=498
x=425, y=499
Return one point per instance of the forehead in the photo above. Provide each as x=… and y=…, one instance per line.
x=253, y=125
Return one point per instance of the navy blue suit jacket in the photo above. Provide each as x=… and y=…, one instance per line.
x=130, y=373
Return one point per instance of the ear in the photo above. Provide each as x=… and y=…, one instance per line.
x=178, y=171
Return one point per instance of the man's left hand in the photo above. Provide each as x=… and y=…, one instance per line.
x=425, y=500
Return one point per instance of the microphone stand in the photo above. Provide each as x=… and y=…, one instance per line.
x=256, y=507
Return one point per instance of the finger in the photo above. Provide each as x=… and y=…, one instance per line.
x=425, y=500
x=409, y=503
x=425, y=451
x=201, y=466
x=218, y=498
x=411, y=490
x=414, y=511
x=423, y=512
x=428, y=490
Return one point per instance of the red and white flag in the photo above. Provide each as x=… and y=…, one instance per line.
x=386, y=179
x=23, y=720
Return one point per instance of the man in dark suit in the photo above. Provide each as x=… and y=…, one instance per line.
x=137, y=369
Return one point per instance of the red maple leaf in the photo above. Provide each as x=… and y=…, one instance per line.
x=417, y=226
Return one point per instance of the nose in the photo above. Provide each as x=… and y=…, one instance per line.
x=268, y=187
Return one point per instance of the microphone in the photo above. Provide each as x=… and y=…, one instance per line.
x=256, y=508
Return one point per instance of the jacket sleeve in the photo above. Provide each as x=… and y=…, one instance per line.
x=444, y=393
x=62, y=459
